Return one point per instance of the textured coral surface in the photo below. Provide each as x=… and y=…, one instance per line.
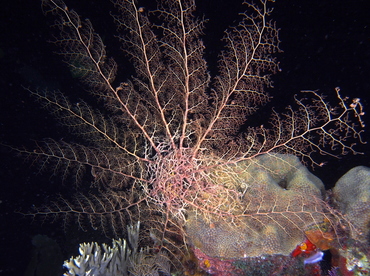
x=280, y=200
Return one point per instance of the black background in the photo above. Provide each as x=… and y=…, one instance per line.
x=326, y=44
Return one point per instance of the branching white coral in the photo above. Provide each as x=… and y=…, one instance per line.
x=122, y=259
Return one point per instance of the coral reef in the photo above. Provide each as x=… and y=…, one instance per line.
x=171, y=146
x=278, y=265
x=355, y=260
x=352, y=195
x=122, y=259
x=280, y=199
x=261, y=245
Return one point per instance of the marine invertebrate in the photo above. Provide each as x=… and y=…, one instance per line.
x=352, y=195
x=167, y=137
x=124, y=258
x=280, y=200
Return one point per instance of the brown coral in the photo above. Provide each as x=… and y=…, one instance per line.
x=352, y=194
x=280, y=199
